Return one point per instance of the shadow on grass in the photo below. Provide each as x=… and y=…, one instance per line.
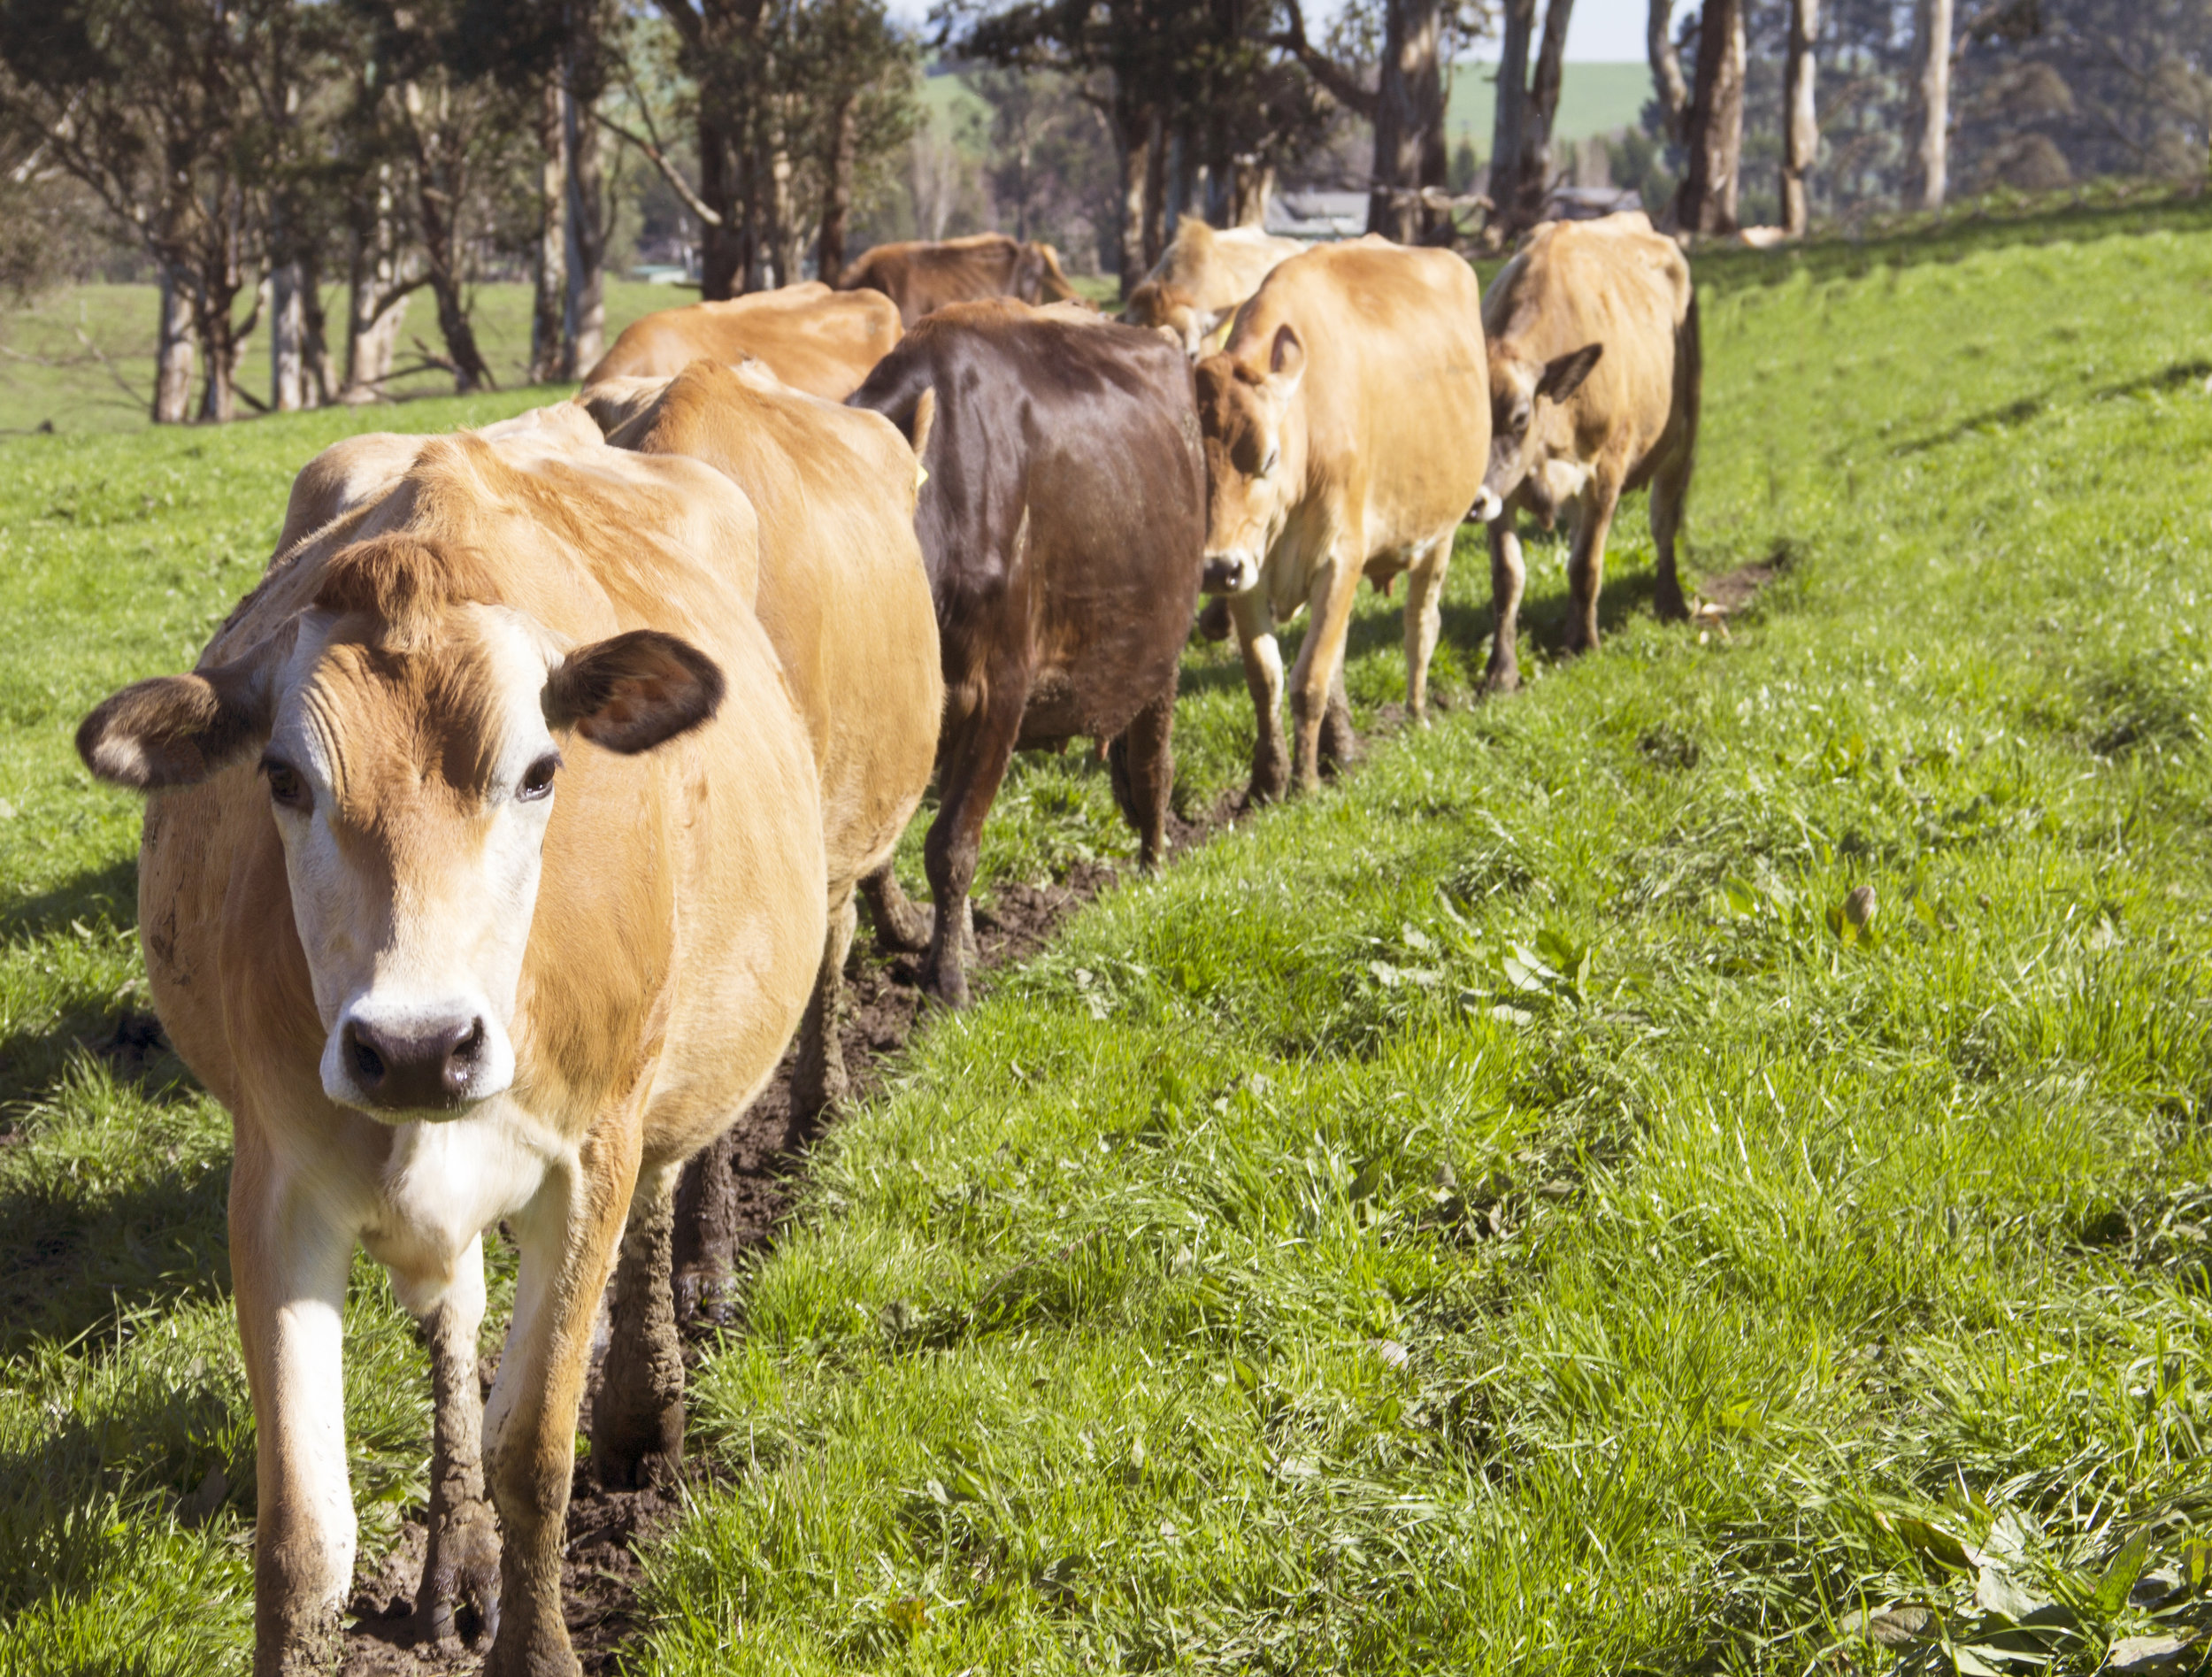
x=2175, y=377
x=108, y=893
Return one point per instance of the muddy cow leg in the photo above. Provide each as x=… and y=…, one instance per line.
x=567, y=1235
x=637, y=1422
x=1320, y=665
x=974, y=764
x=818, y=1082
x=1142, y=761
x=461, y=1566
x=1424, y=619
x=1339, y=744
x=1585, y=565
x=289, y=1266
x=1508, y=577
x=1255, y=625
x=899, y=924
x=1669, y=489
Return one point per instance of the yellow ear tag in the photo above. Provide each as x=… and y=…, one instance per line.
x=921, y=476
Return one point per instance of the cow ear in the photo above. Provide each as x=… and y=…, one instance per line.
x=633, y=691
x=1287, y=360
x=177, y=730
x=1563, y=374
x=922, y=421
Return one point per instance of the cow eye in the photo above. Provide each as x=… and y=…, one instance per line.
x=537, y=779
x=1267, y=467
x=285, y=785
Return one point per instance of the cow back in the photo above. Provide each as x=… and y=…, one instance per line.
x=814, y=339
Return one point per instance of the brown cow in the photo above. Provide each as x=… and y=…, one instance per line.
x=923, y=275
x=814, y=339
x=1063, y=523
x=1594, y=379
x=1347, y=423
x=846, y=602
x=482, y=880
x=1199, y=280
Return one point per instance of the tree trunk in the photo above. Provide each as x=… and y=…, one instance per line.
x=1666, y=70
x=1800, y=122
x=837, y=193
x=1253, y=184
x=1508, y=122
x=289, y=388
x=1408, y=120
x=1135, y=155
x=322, y=370
x=1155, y=191
x=172, y=352
x=1707, y=201
x=546, y=305
x=1932, y=101
x=220, y=343
x=1532, y=184
x=584, y=319
x=721, y=248
x=372, y=325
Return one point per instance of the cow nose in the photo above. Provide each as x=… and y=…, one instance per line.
x=1225, y=574
x=414, y=1070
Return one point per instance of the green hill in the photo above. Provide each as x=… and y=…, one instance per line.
x=1594, y=98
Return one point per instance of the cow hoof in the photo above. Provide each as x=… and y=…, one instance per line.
x=1500, y=684
x=463, y=1573
x=545, y=1653
x=948, y=988
x=1672, y=607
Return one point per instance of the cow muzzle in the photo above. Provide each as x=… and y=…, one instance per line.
x=416, y=1062
x=1229, y=573
x=1487, y=506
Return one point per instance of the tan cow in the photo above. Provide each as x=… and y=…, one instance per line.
x=814, y=339
x=1345, y=426
x=1201, y=278
x=846, y=602
x=1594, y=379
x=482, y=880
x=923, y=275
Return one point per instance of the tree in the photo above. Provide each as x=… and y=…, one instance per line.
x=1521, y=153
x=1932, y=101
x=1800, y=122
x=1707, y=201
x=1406, y=106
x=1672, y=91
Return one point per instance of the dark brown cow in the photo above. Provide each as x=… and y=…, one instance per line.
x=924, y=275
x=1063, y=523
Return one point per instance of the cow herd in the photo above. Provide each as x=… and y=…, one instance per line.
x=508, y=831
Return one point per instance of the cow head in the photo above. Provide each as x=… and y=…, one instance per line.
x=1524, y=396
x=409, y=730
x=1255, y=443
x=1174, y=313
x=1038, y=278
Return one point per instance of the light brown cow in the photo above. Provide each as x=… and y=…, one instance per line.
x=1201, y=278
x=1594, y=379
x=482, y=879
x=846, y=602
x=814, y=339
x=1346, y=426
x=923, y=275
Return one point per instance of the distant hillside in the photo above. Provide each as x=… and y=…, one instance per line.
x=1594, y=98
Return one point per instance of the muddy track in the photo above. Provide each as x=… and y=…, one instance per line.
x=733, y=1199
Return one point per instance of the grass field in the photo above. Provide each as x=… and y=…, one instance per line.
x=1500, y=1214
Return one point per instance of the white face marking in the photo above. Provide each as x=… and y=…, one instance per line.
x=414, y=899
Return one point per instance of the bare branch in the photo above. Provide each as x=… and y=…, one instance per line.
x=693, y=202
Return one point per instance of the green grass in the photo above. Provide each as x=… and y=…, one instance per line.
x=1486, y=1217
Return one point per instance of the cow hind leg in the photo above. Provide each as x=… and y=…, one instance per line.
x=1509, y=576
x=1669, y=489
x=819, y=1083
x=1141, y=761
x=637, y=1420
x=1424, y=620
x=899, y=924
x=460, y=1568
x=974, y=767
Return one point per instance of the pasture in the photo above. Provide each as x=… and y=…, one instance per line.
x=1505, y=1212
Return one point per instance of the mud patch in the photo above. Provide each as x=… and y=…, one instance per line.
x=1726, y=594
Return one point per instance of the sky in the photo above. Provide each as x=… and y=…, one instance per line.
x=1601, y=31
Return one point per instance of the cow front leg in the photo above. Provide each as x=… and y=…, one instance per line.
x=1142, y=764
x=637, y=1422
x=460, y=1566
x=974, y=764
x=1509, y=576
x=1320, y=667
x=289, y=1265
x=819, y=1083
x=1585, y=565
x=567, y=1235
x=1424, y=620
x=1254, y=622
x=899, y=924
